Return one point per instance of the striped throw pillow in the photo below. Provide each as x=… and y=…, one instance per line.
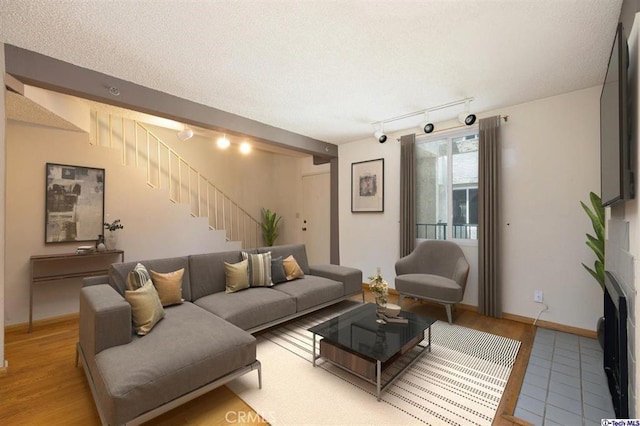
x=138, y=277
x=259, y=269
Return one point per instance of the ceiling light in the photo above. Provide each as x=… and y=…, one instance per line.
x=466, y=117
x=223, y=142
x=245, y=148
x=379, y=133
x=185, y=134
x=426, y=126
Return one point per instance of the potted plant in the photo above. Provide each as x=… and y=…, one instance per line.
x=596, y=243
x=270, y=226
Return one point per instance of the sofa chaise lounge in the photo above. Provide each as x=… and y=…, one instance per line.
x=200, y=344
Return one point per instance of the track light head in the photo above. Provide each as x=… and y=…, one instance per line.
x=379, y=133
x=426, y=126
x=382, y=138
x=185, y=134
x=466, y=117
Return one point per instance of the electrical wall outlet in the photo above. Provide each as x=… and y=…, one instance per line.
x=537, y=296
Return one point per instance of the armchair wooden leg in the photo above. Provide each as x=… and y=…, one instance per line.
x=448, y=308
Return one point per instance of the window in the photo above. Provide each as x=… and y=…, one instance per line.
x=447, y=186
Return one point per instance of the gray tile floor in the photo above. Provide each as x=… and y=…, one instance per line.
x=564, y=383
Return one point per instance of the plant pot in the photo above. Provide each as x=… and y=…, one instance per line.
x=111, y=240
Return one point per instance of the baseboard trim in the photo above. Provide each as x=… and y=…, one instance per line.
x=24, y=326
x=552, y=325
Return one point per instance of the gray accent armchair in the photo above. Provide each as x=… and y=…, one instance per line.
x=435, y=270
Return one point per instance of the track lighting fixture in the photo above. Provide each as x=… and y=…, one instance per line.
x=426, y=126
x=379, y=133
x=185, y=134
x=466, y=117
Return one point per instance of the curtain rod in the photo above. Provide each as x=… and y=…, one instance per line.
x=504, y=117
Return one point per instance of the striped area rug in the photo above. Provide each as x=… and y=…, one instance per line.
x=460, y=382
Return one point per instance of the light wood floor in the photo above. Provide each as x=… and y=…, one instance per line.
x=43, y=386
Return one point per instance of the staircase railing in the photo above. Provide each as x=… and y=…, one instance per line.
x=166, y=168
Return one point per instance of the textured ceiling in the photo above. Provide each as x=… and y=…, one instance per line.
x=328, y=69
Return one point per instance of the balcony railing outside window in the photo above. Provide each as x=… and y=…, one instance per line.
x=438, y=231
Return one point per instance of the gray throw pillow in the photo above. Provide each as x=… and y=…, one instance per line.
x=277, y=271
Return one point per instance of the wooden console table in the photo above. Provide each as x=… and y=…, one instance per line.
x=56, y=267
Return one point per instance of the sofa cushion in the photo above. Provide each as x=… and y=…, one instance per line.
x=146, y=308
x=236, y=277
x=118, y=272
x=188, y=349
x=311, y=291
x=297, y=250
x=259, y=269
x=438, y=288
x=207, y=272
x=351, y=277
x=291, y=268
x=277, y=270
x=250, y=308
x=169, y=286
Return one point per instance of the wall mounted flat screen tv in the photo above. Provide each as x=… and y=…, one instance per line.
x=616, y=163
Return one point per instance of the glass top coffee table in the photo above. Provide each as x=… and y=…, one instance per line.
x=354, y=341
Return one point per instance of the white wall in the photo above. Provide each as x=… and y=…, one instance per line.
x=550, y=163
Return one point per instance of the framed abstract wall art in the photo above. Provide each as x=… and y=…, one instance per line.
x=74, y=203
x=367, y=186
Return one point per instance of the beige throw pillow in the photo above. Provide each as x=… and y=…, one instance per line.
x=236, y=276
x=146, y=308
x=169, y=286
x=291, y=268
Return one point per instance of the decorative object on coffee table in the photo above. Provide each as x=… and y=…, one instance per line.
x=380, y=289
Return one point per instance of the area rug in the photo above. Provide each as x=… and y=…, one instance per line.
x=460, y=382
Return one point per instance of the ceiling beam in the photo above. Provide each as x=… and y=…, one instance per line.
x=53, y=74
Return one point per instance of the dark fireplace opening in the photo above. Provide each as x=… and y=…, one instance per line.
x=615, y=345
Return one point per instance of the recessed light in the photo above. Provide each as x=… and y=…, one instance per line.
x=223, y=142
x=245, y=148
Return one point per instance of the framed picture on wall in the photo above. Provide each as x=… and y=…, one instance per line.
x=74, y=203
x=367, y=186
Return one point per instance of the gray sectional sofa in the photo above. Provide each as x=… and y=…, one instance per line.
x=199, y=344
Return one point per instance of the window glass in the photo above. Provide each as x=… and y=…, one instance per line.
x=447, y=186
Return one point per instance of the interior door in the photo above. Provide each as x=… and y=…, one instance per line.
x=316, y=215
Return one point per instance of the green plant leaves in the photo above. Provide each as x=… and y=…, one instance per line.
x=596, y=214
x=270, y=226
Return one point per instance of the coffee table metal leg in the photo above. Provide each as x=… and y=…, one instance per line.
x=314, y=349
x=379, y=378
x=429, y=338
